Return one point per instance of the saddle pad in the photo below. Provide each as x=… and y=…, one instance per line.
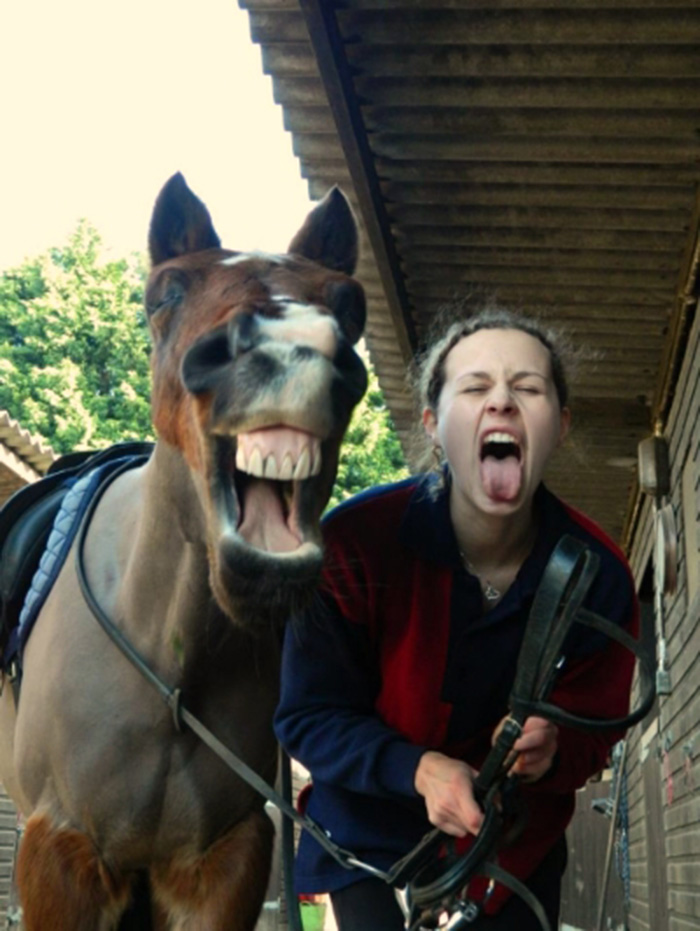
x=63, y=532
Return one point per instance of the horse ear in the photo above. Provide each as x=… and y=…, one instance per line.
x=180, y=223
x=329, y=234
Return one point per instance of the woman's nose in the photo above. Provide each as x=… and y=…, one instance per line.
x=500, y=399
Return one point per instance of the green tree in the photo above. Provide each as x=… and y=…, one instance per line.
x=74, y=346
x=371, y=453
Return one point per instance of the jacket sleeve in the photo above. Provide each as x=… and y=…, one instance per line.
x=326, y=717
x=594, y=684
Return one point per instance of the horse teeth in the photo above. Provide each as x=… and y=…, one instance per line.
x=241, y=464
x=316, y=465
x=287, y=471
x=255, y=463
x=303, y=465
x=271, y=467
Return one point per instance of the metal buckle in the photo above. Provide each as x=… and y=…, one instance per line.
x=466, y=913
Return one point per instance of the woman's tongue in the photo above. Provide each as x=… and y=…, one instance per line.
x=501, y=478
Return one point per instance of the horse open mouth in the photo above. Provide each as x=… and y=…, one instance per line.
x=261, y=499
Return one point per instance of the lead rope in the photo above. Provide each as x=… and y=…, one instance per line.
x=622, y=847
x=616, y=798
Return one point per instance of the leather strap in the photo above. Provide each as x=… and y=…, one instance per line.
x=558, y=602
x=173, y=699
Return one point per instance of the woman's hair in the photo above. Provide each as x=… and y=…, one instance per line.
x=453, y=324
x=448, y=331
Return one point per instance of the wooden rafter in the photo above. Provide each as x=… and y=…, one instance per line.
x=345, y=108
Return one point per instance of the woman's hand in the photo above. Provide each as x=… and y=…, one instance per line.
x=536, y=748
x=446, y=786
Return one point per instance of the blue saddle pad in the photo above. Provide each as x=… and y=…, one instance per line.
x=65, y=527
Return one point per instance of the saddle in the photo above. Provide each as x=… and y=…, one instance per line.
x=27, y=520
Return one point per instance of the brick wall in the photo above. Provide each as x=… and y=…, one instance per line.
x=664, y=771
x=8, y=846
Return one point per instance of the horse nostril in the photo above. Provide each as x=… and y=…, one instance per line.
x=243, y=334
x=204, y=361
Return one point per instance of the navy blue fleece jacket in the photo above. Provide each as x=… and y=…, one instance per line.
x=397, y=656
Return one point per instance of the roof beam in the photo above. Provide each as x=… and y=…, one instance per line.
x=17, y=467
x=337, y=79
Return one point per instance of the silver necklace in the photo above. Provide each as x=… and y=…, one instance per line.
x=491, y=593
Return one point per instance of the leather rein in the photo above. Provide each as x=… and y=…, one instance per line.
x=434, y=886
x=173, y=698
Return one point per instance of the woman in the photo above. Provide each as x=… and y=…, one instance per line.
x=395, y=681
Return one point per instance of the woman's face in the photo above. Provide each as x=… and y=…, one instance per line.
x=498, y=419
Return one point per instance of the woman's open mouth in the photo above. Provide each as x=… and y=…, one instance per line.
x=501, y=462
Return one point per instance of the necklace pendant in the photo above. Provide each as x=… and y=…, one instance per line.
x=490, y=593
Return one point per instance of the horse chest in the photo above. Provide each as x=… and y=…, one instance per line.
x=178, y=797
x=119, y=750
x=149, y=790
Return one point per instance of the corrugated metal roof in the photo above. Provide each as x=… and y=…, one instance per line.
x=547, y=151
x=20, y=452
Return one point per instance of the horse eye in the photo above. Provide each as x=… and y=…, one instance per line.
x=167, y=291
x=347, y=302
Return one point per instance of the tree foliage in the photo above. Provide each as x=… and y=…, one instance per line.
x=74, y=364
x=371, y=453
x=74, y=346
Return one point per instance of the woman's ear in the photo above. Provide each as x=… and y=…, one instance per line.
x=430, y=423
x=564, y=424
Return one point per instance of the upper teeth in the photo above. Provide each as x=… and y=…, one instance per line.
x=308, y=462
x=497, y=437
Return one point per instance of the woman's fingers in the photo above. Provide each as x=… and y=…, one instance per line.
x=536, y=748
x=446, y=786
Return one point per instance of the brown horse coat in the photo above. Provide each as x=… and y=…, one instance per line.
x=198, y=556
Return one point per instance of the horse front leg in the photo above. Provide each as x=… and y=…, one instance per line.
x=224, y=889
x=63, y=883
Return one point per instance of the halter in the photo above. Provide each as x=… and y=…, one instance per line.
x=436, y=885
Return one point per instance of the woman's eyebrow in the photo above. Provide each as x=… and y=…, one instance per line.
x=472, y=375
x=514, y=377
x=526, y=374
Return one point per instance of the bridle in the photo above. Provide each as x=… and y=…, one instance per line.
x=436, y=885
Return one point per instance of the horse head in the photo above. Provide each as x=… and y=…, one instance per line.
x=254, y=381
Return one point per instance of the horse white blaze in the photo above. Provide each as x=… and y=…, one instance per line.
x=303, y=325
x=239, y=257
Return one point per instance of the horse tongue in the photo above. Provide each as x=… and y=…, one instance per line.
x=501, y=478
x=264, y=525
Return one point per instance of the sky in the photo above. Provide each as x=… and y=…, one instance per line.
x=102, y=102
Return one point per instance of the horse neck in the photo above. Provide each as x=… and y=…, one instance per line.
x=165, y=597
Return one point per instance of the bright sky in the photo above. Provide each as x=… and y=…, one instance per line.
x=102, y=102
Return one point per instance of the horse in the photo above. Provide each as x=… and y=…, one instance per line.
x=197, y=556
